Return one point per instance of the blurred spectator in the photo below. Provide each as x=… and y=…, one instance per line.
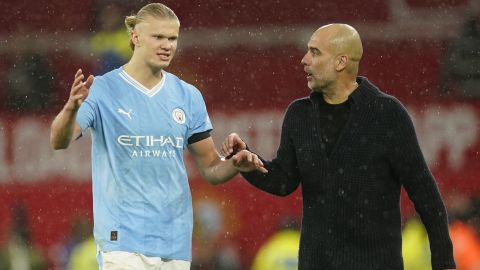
x=83, y=256
x=465, y=237
x=415, y=246
x=19, y=254
x=211, y=250
x=466, y=245
x=29, y=83
x=461, y=68
x=61, y=253
x=464, y=214
x=474, y=214
x=110, y=41
x=464, y=230
x=280, y=252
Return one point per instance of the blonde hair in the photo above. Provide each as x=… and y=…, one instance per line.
x=156, y=10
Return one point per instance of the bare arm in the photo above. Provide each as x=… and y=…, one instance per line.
x=216, y=170
x=64, y=126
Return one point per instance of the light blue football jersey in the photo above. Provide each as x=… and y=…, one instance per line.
x=141, y=197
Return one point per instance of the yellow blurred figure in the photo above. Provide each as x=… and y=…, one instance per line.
x=83, y=256
x=415, y=246
x=280, y=252
x=110, y=42
x=115, y=41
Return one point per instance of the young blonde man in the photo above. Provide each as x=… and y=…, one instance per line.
x=141, y=119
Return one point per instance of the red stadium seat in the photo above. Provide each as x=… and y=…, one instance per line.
x=46, y=16
x=436, y=3
x=236, y=13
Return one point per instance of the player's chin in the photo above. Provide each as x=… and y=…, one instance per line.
x=162, y=63
x=311, y=85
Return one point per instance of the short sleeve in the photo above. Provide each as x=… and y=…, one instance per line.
x=200, y=121
x=88, y=110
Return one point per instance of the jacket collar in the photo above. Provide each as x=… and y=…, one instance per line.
x=359, y=97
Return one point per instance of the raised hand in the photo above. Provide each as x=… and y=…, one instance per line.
x=246, y=161
x=232, y=144
x=79, y=91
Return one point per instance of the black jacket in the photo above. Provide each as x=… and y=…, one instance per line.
x=351, y=199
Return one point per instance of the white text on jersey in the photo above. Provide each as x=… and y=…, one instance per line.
x=150, y=141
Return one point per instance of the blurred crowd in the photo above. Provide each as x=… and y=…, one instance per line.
x=464, y=218
x=460, y=73
x=214, y=251
x=31, y=80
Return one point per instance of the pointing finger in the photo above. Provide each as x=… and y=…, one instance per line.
x=224, y=149
x=263, y=170
x=230, y=143
x=79, y=71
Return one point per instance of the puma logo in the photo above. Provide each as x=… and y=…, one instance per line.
x=121, y=111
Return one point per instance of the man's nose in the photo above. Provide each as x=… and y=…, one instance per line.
x=304, y=60
x=167, y=45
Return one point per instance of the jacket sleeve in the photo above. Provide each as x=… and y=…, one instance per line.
x=411, y=170
x=282, y=177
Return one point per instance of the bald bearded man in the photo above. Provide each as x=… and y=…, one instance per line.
x=352, y=148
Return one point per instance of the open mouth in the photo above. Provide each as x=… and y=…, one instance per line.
x=163, y=56
x=308, y=73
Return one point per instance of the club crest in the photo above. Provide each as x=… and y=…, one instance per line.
x=178, y=115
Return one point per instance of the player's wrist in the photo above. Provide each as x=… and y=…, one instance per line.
x=71, y=107
x=70, y=110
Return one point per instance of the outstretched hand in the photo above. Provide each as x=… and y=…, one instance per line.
x=246, y=161
x=232, y=144
x=79, y=91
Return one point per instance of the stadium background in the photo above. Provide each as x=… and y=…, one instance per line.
x=245, y=58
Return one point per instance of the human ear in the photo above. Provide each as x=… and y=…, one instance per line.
x=341, y=62
x=135, y=39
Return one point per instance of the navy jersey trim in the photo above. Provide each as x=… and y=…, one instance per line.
x=199, y=136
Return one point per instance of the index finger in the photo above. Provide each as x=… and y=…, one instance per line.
x=79, y=71
x=224, y=149
x=262, y=169
x=78, y=80
x=230, y=143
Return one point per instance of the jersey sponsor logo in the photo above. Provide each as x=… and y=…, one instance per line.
x=154, y=153
x=179, y=116
x=151, y=146
x=127, y=114
x=150, y=141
